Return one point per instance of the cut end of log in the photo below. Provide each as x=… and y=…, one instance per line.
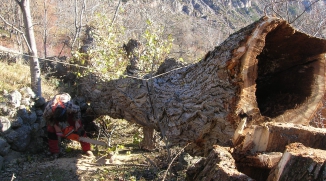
x=300, y=163
x=283, y=73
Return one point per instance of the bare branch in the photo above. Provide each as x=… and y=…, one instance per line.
x=319, y=26
x=78, y=27
x=116, y=13
x=173, y=161
x=303, y=12
x=18, y=30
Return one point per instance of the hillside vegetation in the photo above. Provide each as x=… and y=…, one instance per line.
x=15, y=76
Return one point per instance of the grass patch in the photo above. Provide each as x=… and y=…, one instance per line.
x=16, y=76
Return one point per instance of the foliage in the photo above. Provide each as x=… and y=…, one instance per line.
x=156, y=48
x=107, y=56
x=136, y=138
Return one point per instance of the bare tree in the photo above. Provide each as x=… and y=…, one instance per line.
x=45, y=25
x=78, y=23
x=29, y=31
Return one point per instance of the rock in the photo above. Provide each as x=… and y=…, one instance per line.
x=27, y=92
x=3, y=109
x=39, y=102
x=11, y=136
x=14, y=98
x=4, y=124
x=1, y=162
x=17, y=123
x=12, y=157
x=41, y=121
x=36, y=145
x=26, y=102
x=12, y=112
x=187, y=160
x=29, y=117
x=35, y=127
x=23, y=139
x=38, y=112
x=36, y=131
x=4, y=147
x=83, y=106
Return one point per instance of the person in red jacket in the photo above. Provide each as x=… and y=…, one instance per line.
x=60, y=113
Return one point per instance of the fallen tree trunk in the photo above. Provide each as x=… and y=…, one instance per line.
x=265, y=72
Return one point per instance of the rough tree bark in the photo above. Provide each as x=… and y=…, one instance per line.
x=265, y=72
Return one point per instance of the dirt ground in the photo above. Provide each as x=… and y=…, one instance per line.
x=76, y=166
x=125, y=162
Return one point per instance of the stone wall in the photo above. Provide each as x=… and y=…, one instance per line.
x=21, y=124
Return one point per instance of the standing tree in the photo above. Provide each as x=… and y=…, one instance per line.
x=29, y=31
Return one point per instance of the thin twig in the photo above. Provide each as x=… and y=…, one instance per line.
x=115, y=164
x=150, y=161
x=173, y=161
x=303, y=12
x=13, y=177
x=275, y=11
x=100, y=158
x=19, y=31
x=116, y=13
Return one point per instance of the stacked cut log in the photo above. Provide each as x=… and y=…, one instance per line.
x=300, y=163
x=255, y=93
x=279, y=149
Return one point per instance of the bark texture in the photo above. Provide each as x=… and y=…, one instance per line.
x=219, y=165
x=265, y=72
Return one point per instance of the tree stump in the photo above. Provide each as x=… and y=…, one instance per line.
x=265, y=72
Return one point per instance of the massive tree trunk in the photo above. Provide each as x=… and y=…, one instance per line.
x=265, y=72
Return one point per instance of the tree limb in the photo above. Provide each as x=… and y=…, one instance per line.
x=19, y=31
x=116, y=13
x=303, y=12
x=182, y=150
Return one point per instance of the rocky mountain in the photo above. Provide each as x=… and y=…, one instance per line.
x=197, y=26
